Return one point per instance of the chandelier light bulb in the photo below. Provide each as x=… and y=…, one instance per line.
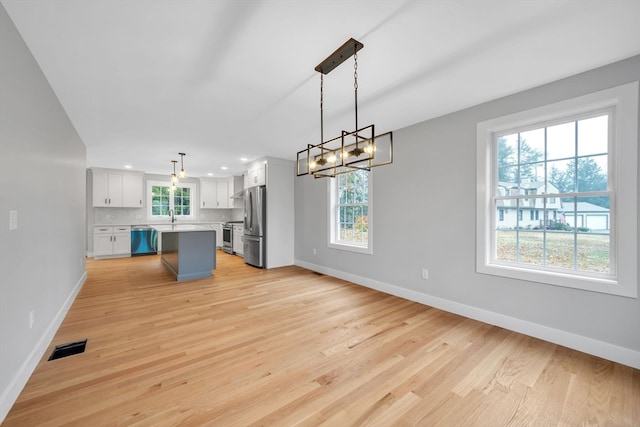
x=174, y=177
x=183, y=173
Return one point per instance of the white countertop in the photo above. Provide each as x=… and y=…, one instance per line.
x=179, y=227
x=152, y=224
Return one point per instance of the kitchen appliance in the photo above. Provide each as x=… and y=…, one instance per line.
x=255, y=215
x=227, y=236
x=144, y=240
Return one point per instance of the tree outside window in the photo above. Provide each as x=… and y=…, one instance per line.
x=350, y=211
x=568, y=160
x=163, y=199
x=572, y=164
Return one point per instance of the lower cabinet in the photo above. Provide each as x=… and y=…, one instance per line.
x=238, y=239
x=111, y=241
x=218, y=228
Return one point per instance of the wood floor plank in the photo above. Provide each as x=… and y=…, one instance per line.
x=286, y=346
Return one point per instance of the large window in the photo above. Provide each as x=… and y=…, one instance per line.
x=572, y=165
x=350, y=216
x=568, y=161
x=162, y=199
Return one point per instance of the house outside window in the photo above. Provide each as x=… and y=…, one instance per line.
x=569, y=160
x=350, y=219
x=162, y=199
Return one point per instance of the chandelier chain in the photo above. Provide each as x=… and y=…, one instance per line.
x=355, y=87
x=321, y=108
x=355, y=71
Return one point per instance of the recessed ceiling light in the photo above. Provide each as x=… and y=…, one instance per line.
x=243, y=159
x=128, y=166
x=210, y=174
x=224, y=168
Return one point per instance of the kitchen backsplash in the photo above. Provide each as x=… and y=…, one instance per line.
x=138, y=216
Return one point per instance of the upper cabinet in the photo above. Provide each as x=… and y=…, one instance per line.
x=255, y=175
x=208, y=194
x=224, y=202
x=132, y=188
x=217, y=193
x=117, y=189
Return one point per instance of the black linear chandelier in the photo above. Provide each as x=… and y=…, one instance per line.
x=356, y=150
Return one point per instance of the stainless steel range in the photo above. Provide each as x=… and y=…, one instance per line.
x=227, y=236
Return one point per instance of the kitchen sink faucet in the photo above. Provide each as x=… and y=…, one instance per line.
x=173, y=217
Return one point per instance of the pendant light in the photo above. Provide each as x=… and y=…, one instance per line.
x=356, y=150
x=174, y=177
x=183, y=173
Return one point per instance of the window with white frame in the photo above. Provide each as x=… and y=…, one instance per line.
x=162, y=198
x=573, y=165
x=350, y=211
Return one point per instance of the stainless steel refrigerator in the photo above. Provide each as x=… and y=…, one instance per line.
x=255, y=225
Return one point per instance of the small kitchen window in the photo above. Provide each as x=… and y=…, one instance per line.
x=162, y=199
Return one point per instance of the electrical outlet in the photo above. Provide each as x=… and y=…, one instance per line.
x=32, y=318
x=315, y=252
x=425, y=273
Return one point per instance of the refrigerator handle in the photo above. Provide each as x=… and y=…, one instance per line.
x=251, y=210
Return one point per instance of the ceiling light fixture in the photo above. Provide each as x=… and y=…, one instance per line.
x=183, y=173
x=174, y=177
x=359, y=149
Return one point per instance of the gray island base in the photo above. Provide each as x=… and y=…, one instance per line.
x=188, y=251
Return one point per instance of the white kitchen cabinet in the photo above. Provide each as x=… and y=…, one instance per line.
x=111, y=241
x=116, y=189
x=218, y=228
x=208, y=194
x=107, y=189
x=132, y=191
x=238, y=239
x=223, y=193
x=255, y=176
x=216, y=193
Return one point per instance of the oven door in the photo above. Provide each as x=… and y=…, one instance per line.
x=227, y=239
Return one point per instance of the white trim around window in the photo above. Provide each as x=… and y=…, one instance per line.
x=333, y=222
x=623, y=187
x=193, y=199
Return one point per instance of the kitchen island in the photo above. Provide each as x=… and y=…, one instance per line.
x=188, y=251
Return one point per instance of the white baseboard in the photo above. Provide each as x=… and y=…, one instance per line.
x=581, y=343
x=11, y=393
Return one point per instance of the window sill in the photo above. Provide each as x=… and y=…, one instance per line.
x=567, y=280
x=351, y=248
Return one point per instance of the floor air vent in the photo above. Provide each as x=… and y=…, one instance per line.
x=68, y=349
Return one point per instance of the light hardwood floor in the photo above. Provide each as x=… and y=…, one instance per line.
x=290, y=347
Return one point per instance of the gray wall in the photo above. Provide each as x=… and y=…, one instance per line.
x=424, y=217
x=42, y=177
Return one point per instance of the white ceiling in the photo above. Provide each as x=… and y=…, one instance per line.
x=142, y=80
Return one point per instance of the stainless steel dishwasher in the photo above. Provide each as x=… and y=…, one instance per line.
x=144, y=240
